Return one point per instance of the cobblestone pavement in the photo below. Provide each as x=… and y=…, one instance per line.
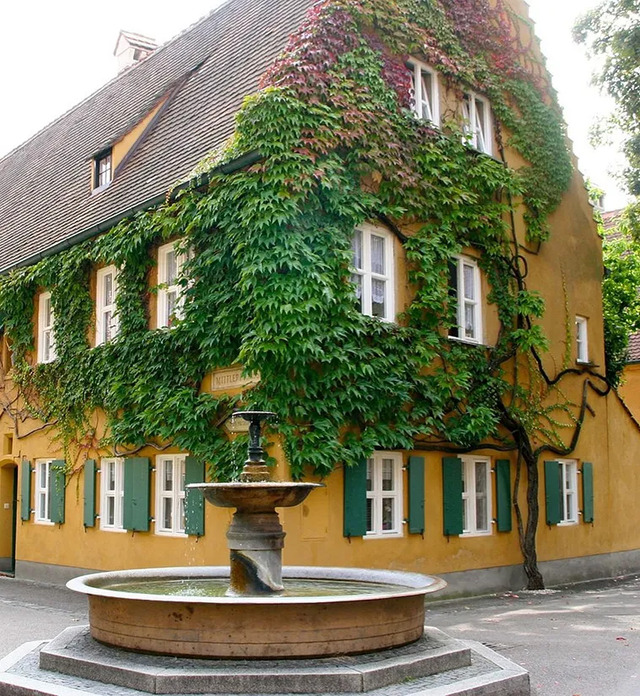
x=575, y=641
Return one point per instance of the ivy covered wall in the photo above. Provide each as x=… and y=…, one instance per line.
x=268, y=284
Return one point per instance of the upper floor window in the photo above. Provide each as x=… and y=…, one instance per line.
x=102, y=169
x=112, y=493
x=170, y=473
x=476, y=114
x=424, y=85
x=46, y=339
x=466, y=292
x=106, y=318
x=581, y=340
x=476, y=495
x=170, y=293
x=372, y=274
x=384, y=494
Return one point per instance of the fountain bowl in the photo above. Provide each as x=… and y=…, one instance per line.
x=368, y=610
x=256, y=496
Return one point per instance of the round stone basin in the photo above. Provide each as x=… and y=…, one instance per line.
x=325, y=611
x=261, y=496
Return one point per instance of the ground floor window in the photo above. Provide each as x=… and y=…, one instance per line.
x=568, y=491
x=43, y=491
x=112, y=493
x=476, y=495
x=170, y=473
x=384, y=494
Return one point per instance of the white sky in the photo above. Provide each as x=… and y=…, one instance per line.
x=55, y=53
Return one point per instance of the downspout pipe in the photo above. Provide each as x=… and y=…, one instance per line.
x=197, y=182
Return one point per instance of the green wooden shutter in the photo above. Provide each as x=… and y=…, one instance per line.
x=57, y=490
x=416, y=495
x=25, y=490
x=503, y=495
x=355, y=500
x=553, y=487
x=587, y=492
x=452, y=496
x=135, y=513
x=89, y=493
x=193, y=499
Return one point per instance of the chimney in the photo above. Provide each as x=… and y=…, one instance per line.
x=130, y=48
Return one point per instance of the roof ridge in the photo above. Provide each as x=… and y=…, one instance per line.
x=158, y=50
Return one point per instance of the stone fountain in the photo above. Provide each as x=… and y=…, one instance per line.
x=350, y=630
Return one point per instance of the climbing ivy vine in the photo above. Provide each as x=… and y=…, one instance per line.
x=268, y=282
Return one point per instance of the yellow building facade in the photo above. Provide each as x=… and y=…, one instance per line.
x=53, y=534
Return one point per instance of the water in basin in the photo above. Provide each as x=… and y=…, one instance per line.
x=216, y=587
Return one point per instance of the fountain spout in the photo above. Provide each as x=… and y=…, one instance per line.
x=255, y=468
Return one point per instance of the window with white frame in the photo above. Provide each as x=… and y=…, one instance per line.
x=424, y=86
x=582, y=343
x=465, y=289
x=384, y=494
x=106, y=317
x=569, y=491
x=102, y=169
x=43, y=491
x=476, y=495
x=170, y=470
x=111, y=493
x=372, y=273
x=478, y=128
x=170, y=293
x=46, y=339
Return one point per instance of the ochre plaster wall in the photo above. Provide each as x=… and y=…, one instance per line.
x=567, y=271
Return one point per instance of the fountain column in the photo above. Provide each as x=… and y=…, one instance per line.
x=255, y=536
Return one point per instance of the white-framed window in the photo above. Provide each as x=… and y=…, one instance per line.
x=568, y=491
x=582, y=343
x=465, y=288
x=476, y=495
x=384, y=495
x=46, y=338
x=424, y=86
x=478, y=127
x=111, y=493
x=43, y=491
x=106, y=317
x=170, y=470
x=373, y=271
x=170, y=293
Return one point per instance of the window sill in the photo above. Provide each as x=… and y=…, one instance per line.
x=45, y=523
x=468, y=535
x=119, y=530
x=383, y=535
x=567, y=523
x=100, y=189
x=178, y=535
x=466, y=341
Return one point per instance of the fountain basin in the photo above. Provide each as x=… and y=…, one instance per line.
x=262, y=627
x=256, y=496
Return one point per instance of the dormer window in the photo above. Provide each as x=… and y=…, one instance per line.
x=476, y=114
x=102, y=170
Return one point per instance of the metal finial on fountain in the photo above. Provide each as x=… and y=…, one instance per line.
x=255, y=468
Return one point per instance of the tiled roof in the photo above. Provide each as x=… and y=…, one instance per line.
x=633, y=354
x=45, y=196
x=610, y=218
